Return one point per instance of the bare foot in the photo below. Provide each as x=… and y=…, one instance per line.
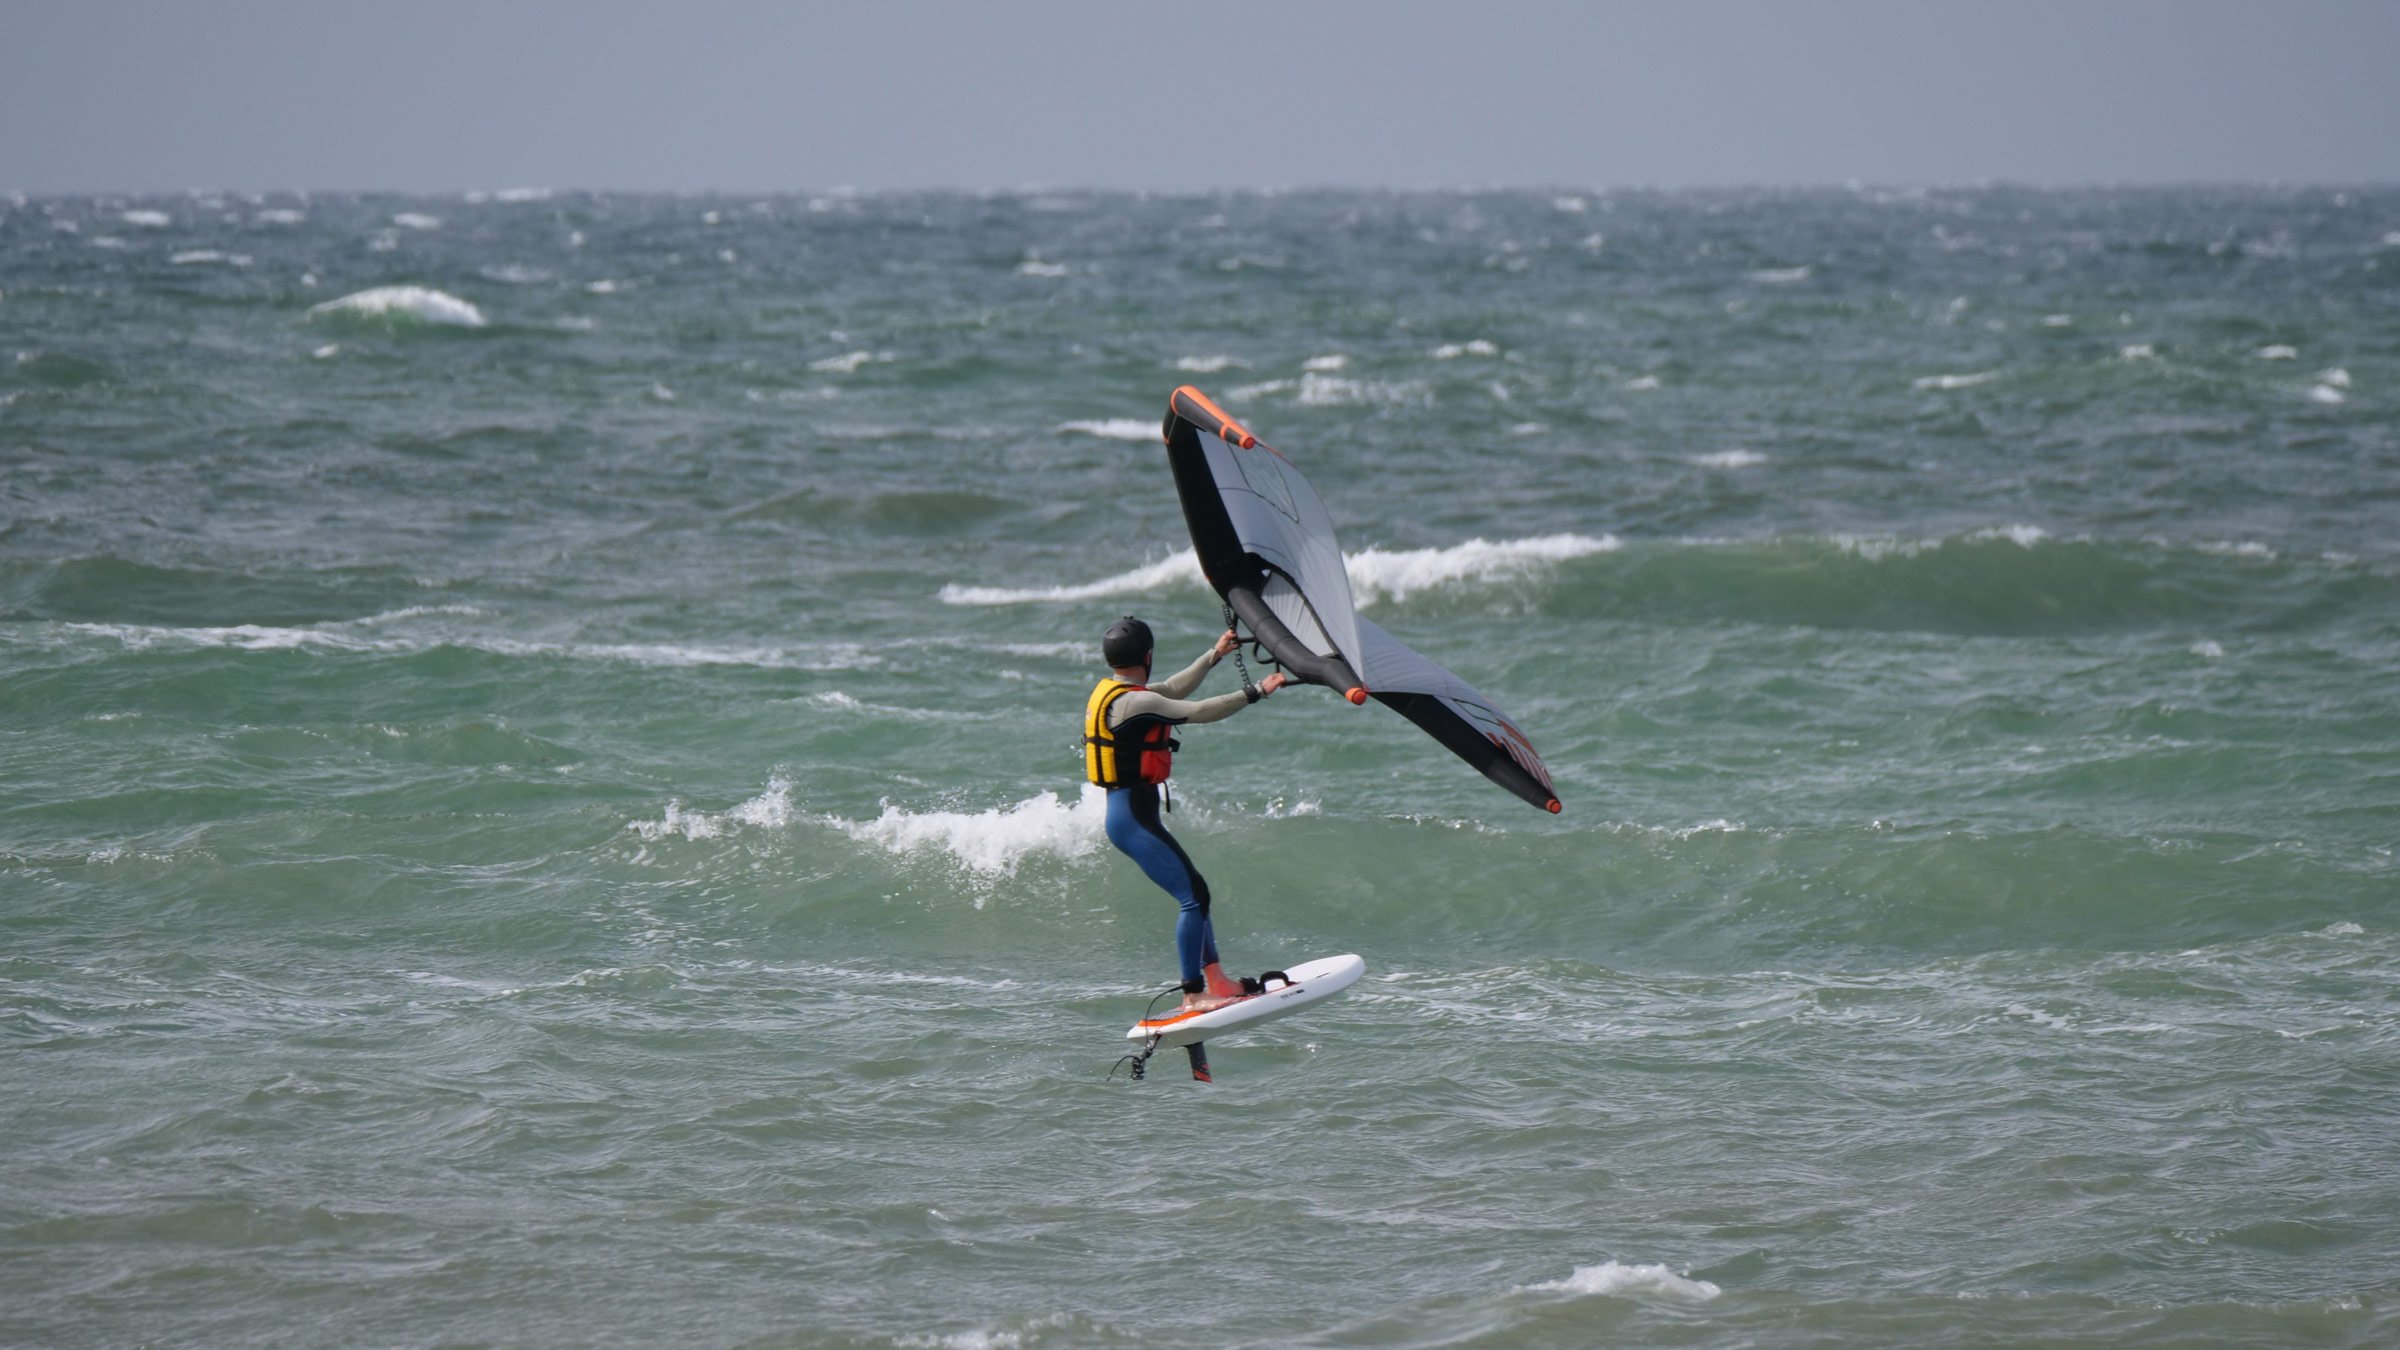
x=1205, y=1002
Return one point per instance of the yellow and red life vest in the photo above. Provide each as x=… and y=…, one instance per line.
x=1140, y=752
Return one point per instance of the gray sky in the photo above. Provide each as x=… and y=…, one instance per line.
x=746, y=95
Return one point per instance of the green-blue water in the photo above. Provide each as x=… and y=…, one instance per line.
x=545, y=812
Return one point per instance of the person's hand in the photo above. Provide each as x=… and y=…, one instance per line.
x=1227, y=643
x=1272, y=683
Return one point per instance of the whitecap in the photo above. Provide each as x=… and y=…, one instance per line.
x=1730, y=459
x=771, y=809
x=849, y=362
x=1318, y=390
x=2058, y=321
x=1594, y=242
x=1573, y=206
x=1035, y=267
x=992, y=842
x=1780, y=276
x=1451, y=351
x=1115, y=428
x=1333, y=362
x=2336, y=378
x=2277, y=352
x=1954, y=381
x=1176, y=569
x=2137, y=351
x=280, y=216
x=147, y=220
x=412, y=302
x=1379, y=574
x=2325, y=393
x=514, y=274
x=601, y=287
x=327, y=352
x=1613, y=1278
x=1642, y=384
x=2023, y=536
x=415, y=220
x=191, y=256
x=1205, y=365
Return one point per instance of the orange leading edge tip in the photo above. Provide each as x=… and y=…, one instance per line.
x=1233, y=431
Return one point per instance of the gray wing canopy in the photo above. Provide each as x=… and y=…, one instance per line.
x=1266, y=544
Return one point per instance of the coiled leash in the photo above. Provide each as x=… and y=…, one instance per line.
x=1138, y=1065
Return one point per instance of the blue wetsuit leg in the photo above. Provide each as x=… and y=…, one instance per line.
x=1138, y=833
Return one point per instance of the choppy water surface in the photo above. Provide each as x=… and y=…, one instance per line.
x=540, y=798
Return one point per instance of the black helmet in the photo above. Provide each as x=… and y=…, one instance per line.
x=1126, y=643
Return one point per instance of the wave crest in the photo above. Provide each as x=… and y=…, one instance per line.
x=991, y=843
x=402, y=305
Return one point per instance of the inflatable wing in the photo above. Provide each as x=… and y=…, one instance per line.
x=1266, y=545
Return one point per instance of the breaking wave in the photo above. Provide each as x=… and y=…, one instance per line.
x=401, y=305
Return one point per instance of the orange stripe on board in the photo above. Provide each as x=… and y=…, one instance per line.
x=1233, y=431
x=1163, y=1022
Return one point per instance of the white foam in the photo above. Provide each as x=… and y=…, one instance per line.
x=257, y=637
x=1334, y=362
x=147, y=220
x=771, y=809
x=1594, y=242
x=2231, y=548
x=2325, y=393
x=2343, y=929
x=2023, y=536
x=1374, y=573
x=328, y=351
x=2058, y=321
x=993, y=842
x=417, y=302
x=1378, y=574
x=1319, y=390
x=1954, y=381
x=2137, y=351
x=1780, y=276
x=515, y=274
x=1035, y=267
x=1175, y=569
x=601, y=287
x=413, y=220
x=849, y=362
x=1642, y=384
x=1451, y=351
x=1730, y=459
x=1115, y=428
x=280, y=216
x=2207, y=650
x=1573, y=206
x=2335, y=377
x=2277, y=352
x=1613, y=1278
x=1205, y=365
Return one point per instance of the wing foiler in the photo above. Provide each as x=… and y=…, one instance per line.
x=1266, y=545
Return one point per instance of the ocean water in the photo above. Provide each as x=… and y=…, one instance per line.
x=539, y=800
